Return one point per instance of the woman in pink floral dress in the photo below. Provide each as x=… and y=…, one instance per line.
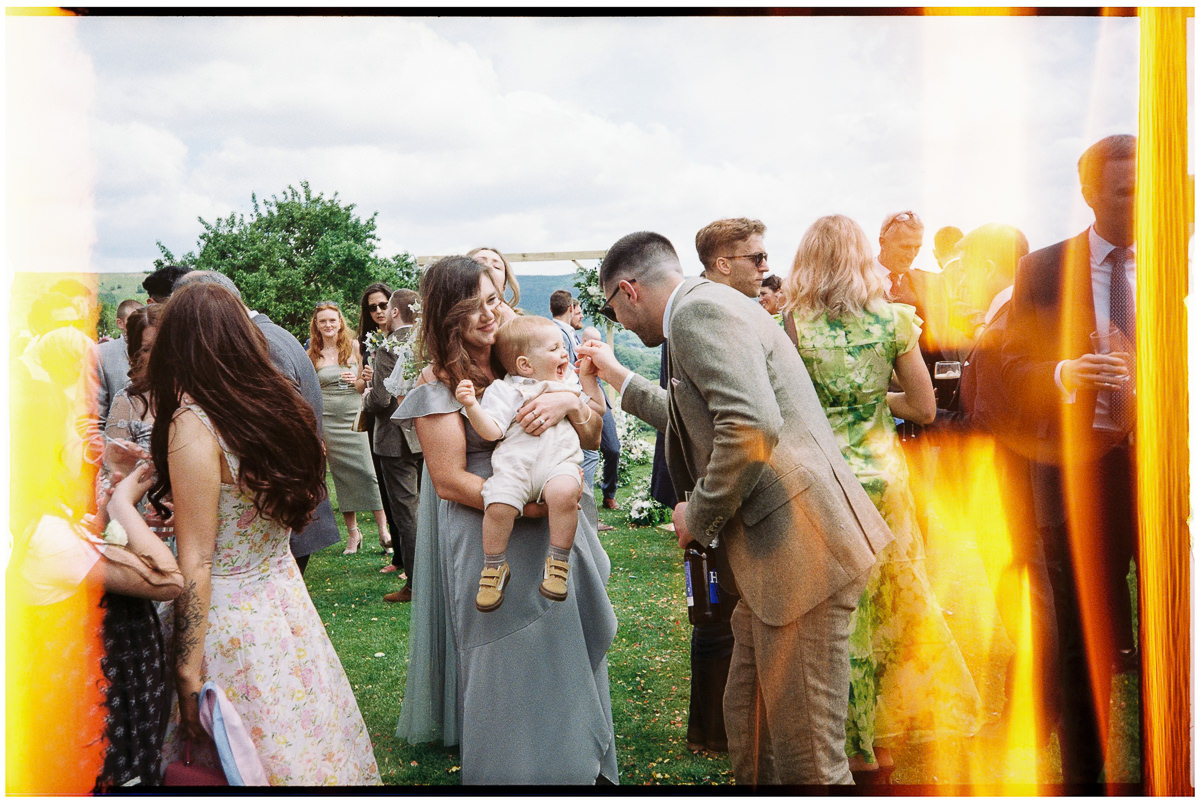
x=245, y=468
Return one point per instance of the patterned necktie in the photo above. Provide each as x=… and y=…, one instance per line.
x=1122, y=404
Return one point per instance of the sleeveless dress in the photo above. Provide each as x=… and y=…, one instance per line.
x=348, y=452
x=908, y=677
x=532, y=676
x=267, y=649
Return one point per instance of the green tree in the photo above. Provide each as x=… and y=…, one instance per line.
x=294, y=251
x=591, y=297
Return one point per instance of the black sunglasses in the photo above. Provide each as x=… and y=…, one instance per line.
x=607, y=310
x=375, y=308
x=758, y=258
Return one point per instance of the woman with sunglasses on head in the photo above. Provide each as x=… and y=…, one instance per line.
x=909, y=680
x=338, y=360
x=245, y=470
x=532, y=678
x=372, y=317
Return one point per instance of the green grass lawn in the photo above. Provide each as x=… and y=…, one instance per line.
x=648, y=667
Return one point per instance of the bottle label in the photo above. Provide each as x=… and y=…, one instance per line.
x=712, y=587
x=687, y=580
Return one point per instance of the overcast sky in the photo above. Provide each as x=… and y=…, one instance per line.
x=551, y=134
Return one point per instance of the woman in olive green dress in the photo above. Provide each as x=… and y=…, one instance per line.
x=338, y=360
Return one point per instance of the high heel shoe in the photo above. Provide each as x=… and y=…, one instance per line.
x=353, y=540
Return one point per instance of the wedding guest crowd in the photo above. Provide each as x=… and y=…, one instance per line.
x=174, y=488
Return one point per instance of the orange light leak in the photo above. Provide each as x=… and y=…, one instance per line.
x=54, y=687
x=960, y=494
x=1165, y=218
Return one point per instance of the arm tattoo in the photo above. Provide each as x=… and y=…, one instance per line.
x=188, y=619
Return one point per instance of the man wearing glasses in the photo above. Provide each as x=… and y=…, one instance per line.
x=732, y=253
x=754, y=459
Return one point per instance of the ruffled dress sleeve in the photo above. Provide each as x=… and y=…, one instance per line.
x=908, y=327
x=426, y=400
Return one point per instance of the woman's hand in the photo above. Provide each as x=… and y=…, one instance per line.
x=367, y=373
x=347, y=377
x=546, y=410
x=131, y=490
x=189, y=711
x=122, y=456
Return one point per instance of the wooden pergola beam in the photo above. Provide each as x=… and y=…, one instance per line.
x=530, y=256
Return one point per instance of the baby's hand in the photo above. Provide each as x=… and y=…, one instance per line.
x=465, y=394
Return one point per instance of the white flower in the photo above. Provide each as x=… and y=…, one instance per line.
x=115, y=534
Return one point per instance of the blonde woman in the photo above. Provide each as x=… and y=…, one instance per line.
x=337, y=357
x=908, y=679
x=504, y=279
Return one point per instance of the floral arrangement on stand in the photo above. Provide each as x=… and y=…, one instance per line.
x=635, y=450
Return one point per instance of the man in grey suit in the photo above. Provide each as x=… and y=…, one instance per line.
x=292, y=362
x=399, y=460
x=753, y=457
x=112, y=362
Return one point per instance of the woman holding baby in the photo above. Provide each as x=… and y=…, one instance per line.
x=533, y=700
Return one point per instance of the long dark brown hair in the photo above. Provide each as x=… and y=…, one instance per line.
x=207, y=347
x=366, y=322
x=450, y=293
x=139, y=350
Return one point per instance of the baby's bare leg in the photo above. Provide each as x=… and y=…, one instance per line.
x=562, y=498
x=498, y=521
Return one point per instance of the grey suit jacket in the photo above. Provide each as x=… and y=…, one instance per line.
x=112, y=366
x=292, y=361
x=389, y=438
x=748, y=444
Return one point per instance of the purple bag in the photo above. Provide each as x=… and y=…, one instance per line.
x=182, y=773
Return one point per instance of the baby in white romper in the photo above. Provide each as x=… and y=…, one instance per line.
x=528, y=468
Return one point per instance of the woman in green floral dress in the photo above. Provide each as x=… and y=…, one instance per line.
x=908, y=678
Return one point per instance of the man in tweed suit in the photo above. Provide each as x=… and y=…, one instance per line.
x=753, y=457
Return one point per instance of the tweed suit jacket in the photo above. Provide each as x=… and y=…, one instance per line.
x=389, y=439
x=112, y=367
x=293, y=362
x=749, y=445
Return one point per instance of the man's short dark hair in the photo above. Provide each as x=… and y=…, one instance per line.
x=403, y=300
x=161, y=284
x=560, y=302
x=772, y=282
x=947, y=238
x=634, y=254
x=1091, y=164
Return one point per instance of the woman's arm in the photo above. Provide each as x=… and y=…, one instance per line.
x=196, y=466
x=360, y=382
x=546, y=410
x=915, y=402
x=146, y=567
x=445, y=435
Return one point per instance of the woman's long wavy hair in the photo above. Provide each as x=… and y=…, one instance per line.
x=345, y=337
x=139, y=349
x=450, y=293
x=510, y=279
x=366, y=324
x=207, y=347
x=833, y=272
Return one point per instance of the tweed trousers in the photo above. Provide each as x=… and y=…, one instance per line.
x=787, y=694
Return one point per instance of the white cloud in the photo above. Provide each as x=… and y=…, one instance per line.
x=541, y=134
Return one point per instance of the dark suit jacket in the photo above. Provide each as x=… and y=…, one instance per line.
x=1052, y=319
x=389, y=438
x=292, y=362
x=748, y=442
